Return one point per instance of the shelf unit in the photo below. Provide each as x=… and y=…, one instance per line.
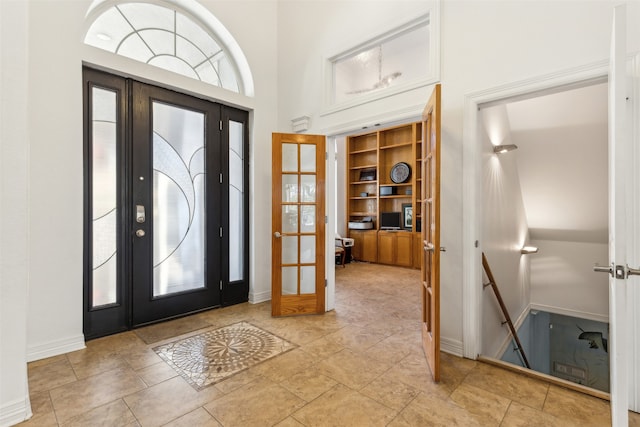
x=370, y=158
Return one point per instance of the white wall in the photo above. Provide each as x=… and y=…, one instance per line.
x=485, y=44
x=505, y=231
x=563, y=281
x=14, y=259
x=56, y=169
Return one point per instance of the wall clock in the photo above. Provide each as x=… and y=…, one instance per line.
x=400, y=172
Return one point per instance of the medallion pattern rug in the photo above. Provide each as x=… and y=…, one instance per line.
x=212, y=356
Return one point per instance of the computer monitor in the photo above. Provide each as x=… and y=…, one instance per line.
x=390, y=221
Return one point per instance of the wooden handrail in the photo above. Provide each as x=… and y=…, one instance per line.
x=503, y=307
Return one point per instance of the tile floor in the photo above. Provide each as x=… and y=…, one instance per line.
x=360, y=365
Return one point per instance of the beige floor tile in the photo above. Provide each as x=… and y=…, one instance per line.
x=270, y=404
x=125, y=341
x=390, y=350
x=236, y=381
x=427, y=410
x=322, y=348
x=140, y=358
x=114, y=414
x=390, y=392
x=577, y=407
x=489, y=408
x=90, y=362
x=308, y=384
x=285, y=365
x=519, y=415
x=200, y=418
x=41, y=403
x=40, y=420
x=81, y=396
x=289, y=422
x=352, y=369
x=155, y=374
x=414, y=371
x=43, y=377
x=47, y=361
x=517, y=387
x=167, y=401
x=342, y=406
x=359, y=365
x=356, y=338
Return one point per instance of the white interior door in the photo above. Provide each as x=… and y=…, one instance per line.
x=619, y=191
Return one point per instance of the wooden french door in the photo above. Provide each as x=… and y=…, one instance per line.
x=430, y=199
x=298, y=225
x=166, y=204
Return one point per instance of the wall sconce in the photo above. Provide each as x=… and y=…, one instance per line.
x=526, y=250
x=499, y=149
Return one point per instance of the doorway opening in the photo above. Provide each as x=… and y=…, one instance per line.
x=548, y=193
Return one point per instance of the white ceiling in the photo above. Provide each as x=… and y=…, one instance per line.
x=562, y=163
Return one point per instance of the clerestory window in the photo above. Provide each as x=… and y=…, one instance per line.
x=166, y=38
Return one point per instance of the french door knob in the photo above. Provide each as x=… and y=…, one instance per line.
x=277, y=235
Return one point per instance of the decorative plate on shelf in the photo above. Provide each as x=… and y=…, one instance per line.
x=400, y=172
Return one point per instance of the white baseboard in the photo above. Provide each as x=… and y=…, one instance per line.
x=258, y=297
x=573, y=313
x=15, y=412
x=54, y=348
x=451, y=346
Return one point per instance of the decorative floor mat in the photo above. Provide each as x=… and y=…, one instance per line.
x=215, y=355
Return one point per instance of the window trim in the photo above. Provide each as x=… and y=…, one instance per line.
x=432, y=17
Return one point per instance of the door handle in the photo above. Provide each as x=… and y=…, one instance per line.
x=140, y=215
x=140, y=233
x=617, y=271
x=277, y=235
x=429, y=247
x=603, y=269
x=632, y=271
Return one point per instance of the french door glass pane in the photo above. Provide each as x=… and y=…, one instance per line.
x=104, y=196
x=308, y=280
x=307, y=158
x=178, y=200
x=290, y=157
x=236, y=201
x=289, y=280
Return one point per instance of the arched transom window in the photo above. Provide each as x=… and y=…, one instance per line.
x=166, y=38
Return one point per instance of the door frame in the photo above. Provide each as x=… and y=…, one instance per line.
x=472, y=200
x=472, y=181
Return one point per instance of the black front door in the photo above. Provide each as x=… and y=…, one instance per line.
x=157, y=204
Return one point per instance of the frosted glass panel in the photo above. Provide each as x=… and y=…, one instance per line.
x=307, y=249
x=289, y=280
x=178, y=200
x=104, y=196
x=307, y=158
x=236, y=201
x=289, y=188
x=289, y=219
x=307, y=280
x=308, y=223
x=290, y=249
x=290, y=157
x=308, y=184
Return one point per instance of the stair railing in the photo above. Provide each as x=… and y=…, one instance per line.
x=494, y=286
